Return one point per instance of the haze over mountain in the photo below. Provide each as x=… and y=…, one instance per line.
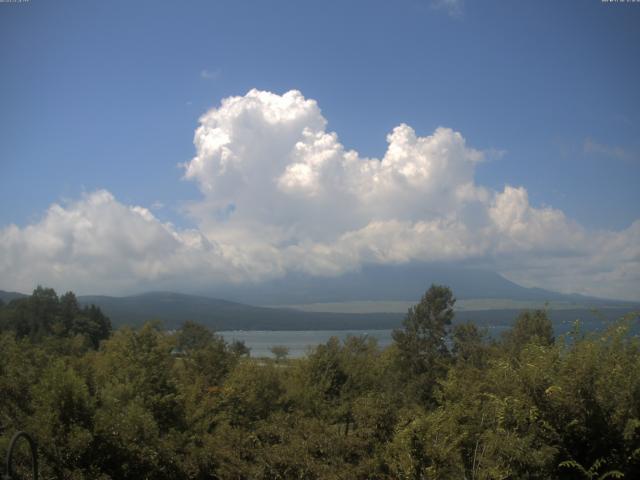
x=392, y=282
x=238, y=307
x=6, y=297
x=173, y=309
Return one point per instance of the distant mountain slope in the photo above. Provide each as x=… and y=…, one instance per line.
x=6, y=297
x=174, y=308
x=404, y=282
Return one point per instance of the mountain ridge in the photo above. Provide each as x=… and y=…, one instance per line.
x=173, y=309
x=240, y=309
x=391, y=282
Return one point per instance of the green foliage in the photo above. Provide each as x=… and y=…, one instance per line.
x=592, y=472
x=193, y=336
x=469, y=345
x=63, y=413
x=251, y=393
x=44, y=315
x=239, y=348
x=421, y=343
x=280, y=352
x=149, y=404
x=530, y=327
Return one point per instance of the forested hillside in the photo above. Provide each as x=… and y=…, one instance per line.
x=442, y=402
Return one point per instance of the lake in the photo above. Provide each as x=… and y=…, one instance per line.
x=299, y=342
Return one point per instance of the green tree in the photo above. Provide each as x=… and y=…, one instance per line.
x=530, y=327
x=239, y=348
x=44, y=311
x=422, y=346
x=69, y=310
x=194, y=336
x=280, y=352
x=43, y=315
x=63, y=421
x=138, y=364
x=252, y=393
x=35, y=316
x=91, y=323
x=469, y=345
x=208, y=357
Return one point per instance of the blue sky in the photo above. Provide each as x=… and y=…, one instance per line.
x=107, y=95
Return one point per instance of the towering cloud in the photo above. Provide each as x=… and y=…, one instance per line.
x=280, y=193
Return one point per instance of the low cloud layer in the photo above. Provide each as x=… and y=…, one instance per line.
x=280, y=193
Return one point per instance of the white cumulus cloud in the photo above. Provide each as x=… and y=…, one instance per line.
x=97, y=244
x=280, y=193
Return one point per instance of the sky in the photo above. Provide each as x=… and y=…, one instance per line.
x=187, y=144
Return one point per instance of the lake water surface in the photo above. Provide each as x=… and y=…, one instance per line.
x=299, y=342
